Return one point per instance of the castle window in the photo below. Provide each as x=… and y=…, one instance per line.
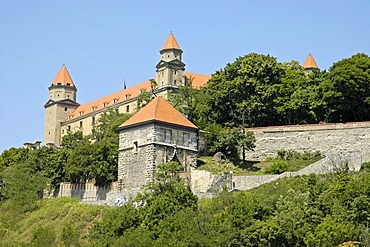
x=93, y=120
x=68, y=84
x=175, y=72
x=80, y=124
x=127, y=96
x=115, y=101
x=58, y=95
x=168, y=136
x=136, y=147
x=168, y=56
x=186, y=139
x=69, y=128
x=105, y=104
x=174, y=82
x=127, y=108
x=162, y=83
x=65, y=108
x=62, y=132
x=59, y=83
x=68, y=96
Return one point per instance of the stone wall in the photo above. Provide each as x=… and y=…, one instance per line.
x=85, y=191
x=331, y=163
x=337, y=138
x=205, y=184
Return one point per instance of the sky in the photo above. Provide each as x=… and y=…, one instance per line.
x=104, y=43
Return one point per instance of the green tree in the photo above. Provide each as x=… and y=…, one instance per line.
x=248, y=85
x=347, y=89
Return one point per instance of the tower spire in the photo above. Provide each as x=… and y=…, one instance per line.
x=63, y=78
x=171, y=43
x=310, y=63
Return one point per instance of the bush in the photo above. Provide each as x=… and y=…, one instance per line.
x=365, y=166
x=293, y=154
x=278, y=166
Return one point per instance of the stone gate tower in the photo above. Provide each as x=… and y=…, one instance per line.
x=61, y=103
x=156, y=134
x=170, y=69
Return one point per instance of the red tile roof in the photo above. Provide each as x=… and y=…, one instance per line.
x=171, y=43
x=199, y=80
x=63, y=78
x=310, y=63
x=110, y=100
x=158, y=110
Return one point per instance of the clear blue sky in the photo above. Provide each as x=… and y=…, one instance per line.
x=104, y=42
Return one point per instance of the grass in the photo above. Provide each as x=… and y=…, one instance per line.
x=54, y=215
x=294, y=162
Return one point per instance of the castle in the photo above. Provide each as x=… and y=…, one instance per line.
x=154, y=135
x=64, y=114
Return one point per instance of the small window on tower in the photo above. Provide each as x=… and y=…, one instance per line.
x=174, y=82
x=59, y=83
x=69, y=128
x=65, y=108
x=68, y=84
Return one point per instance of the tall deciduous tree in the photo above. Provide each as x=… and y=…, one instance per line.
x=347, y=89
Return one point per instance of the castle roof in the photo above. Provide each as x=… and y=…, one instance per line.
x=158, y=110
x=130, y=93
x=63, y=78
x=171, y=43
x=310, y=63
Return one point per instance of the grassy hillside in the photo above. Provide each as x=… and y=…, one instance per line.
x=51, y=219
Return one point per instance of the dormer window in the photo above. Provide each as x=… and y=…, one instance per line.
x=68, y=84
x=81, y=113
x=127, y=96
x=93, y=108
x=105, y=104
x=69, y=117
x=115, y=101
x=59, y=84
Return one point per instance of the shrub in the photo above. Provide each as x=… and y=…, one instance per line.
x=278, y=166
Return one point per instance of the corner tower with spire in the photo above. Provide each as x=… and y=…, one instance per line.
x=170, y=71
x=310, y=64
x=61, y=103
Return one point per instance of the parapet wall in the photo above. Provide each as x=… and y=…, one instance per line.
x=330, y=139
x=85, y=191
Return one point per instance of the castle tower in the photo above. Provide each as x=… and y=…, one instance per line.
x=310, y=65
x=62, y=102
x=170, y=69
x=156, y=134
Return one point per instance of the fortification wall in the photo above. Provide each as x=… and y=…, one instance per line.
x=86, y=191
x=206, y=184
x=330, y=139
